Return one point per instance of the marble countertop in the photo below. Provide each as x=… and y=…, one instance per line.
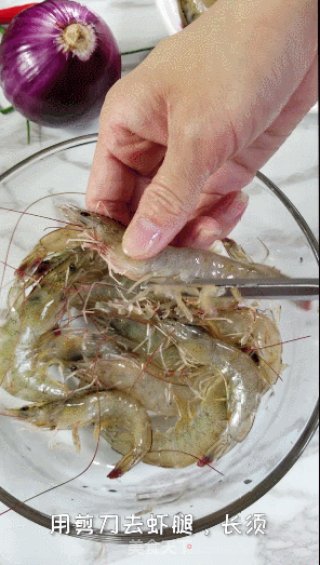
x=291, y=508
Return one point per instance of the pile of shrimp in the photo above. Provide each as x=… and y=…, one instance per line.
x=170, y=375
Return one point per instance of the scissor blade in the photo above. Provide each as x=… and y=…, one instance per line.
x=297, y=288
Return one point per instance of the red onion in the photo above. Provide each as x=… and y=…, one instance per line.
x=57, y=62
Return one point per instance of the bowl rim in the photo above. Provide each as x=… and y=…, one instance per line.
x=172, y=15
x=239, y=504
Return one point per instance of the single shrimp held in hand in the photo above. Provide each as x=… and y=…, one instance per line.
x=183, y=265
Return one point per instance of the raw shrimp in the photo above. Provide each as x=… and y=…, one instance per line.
x=188, y=355
x=197, y=361
x=221, y=420
x=48, y=254
x=52, y=246
x=196, y=433
x=59, y=346
x=100, y=359
x=128, y=374
x=234, y=326
x=265, y=346
x=126, y=420
x=181, y=264
x=256, y=333
x=192, y=9
x=160, y=344
x=243, y=381
x=27, y=319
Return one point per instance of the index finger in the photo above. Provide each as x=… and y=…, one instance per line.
x=121, y=159
x=111, y=184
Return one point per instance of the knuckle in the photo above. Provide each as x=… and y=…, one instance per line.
x=244, y=172
x=162, y=199
x=111, y=98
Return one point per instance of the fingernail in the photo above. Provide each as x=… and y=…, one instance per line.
x=141, y=238
x=210, y=237
x=207, y=236
x=239, y=205
x=101, y=208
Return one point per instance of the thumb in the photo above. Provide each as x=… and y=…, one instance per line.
x=162, y=212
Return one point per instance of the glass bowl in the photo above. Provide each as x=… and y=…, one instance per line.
x=171, y=13
x=33, y=461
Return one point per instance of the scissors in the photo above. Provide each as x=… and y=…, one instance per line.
x=293, y=288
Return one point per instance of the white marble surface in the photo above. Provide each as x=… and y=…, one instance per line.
x=291, y=506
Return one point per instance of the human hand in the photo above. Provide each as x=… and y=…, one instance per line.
x=184, y=132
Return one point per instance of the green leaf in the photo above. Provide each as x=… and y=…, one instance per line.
x=7, y=110
x=137, y=51
x=28, y=132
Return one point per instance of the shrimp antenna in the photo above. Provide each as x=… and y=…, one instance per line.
x=8, y=265
x=24, y=213
x=279, y=343
x=64, y=482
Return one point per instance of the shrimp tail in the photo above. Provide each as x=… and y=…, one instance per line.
x=127, y=462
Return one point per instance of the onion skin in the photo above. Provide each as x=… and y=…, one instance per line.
x=44, y=78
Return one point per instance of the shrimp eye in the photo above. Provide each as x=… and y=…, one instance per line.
x=72, y=268
x=75, y=357
x=255, y=358
x=24, y=408
x=84, y=214
x=43, y=267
